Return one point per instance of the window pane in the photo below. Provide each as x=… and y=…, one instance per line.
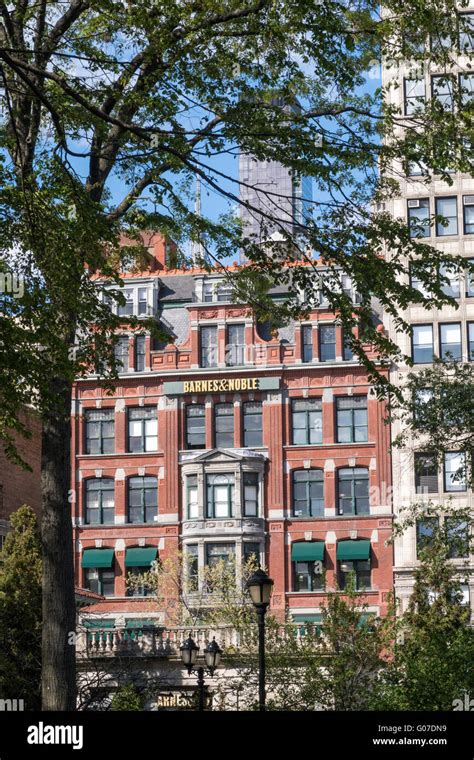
x=327, y=343
x=454, y=471
x=448, y=209
x=422, y=342
x=208, y=337
x=419, y=218
x=414, y=95
x=195, y=427
x=450, y=341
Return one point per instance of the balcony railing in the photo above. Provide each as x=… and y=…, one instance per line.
x=166, y=642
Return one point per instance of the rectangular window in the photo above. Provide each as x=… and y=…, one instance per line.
x=224, y=291
x=307, y=421
x=307, y=576
x=457, y=537
x=224, y=426
x=415, y=95
x=142, y=301
x=352, y=419
x=347, y=352
x=220, y=495
x=196, y=426
x=100, y=501
x=253, y=424
x=358, y=570
x=417, y=169
x=100, y=431
x=192, y=497
x=100, y=581
x=250, y=494
x=426, y=473
x=466, y=32
x=208, y=292
x=466, y=88
x=308, y=493
x=139, y=588
x=140, y=353
x=422, y=344
x=142, y=429
x=327, y=343
x=216, y=553
x=418, y=275
x=452, y=287
x=440, y=41
x=142, y=499
x=425, y=531
x=470, y=341
x=470, y=279
x=442, y=88
x=450, y=341
x=127, y=309
x=235, y=352
x=251, y=551
x=307, y=343
x=192, y=562
x=121, y=349
x=454, y=471
x=419, y=217
x=208, y=340
x=447, y=208
x=421, y=399
x=353, y=490
x=468, y=214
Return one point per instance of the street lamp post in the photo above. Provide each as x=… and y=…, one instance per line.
x=260, y=587
x=212, y=656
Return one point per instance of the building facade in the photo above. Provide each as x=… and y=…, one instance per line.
x=436, y=332
x=226, y=442
x=17, y=485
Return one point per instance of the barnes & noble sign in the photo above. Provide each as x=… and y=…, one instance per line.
x=222, y=385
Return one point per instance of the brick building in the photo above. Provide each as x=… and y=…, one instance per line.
x=17, y=485
x=229, y=441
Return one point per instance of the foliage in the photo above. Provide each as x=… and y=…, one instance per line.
x=111, y=110
x=20, y=611
x=127, y=698
x=437, y=412
x=432, y=663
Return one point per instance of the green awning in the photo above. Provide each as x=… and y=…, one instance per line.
x=316, y=618
x=351, y=550
x=104, y=623
x=306, y=551
x=97, y=558
x=140, y=623
x=140, y=557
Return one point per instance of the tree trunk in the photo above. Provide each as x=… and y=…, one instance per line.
x=59, y=613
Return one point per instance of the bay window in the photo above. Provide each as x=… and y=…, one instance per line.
x=220, y=495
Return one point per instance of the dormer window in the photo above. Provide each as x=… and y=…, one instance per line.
x=138, y=302
x=216, y=290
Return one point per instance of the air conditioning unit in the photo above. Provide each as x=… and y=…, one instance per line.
x=414, y=204
x=468, y=200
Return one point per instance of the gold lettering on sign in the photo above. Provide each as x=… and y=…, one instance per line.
x=222, y=385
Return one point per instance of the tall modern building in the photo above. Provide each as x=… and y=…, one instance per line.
x=436, y=332
x=275, y=200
